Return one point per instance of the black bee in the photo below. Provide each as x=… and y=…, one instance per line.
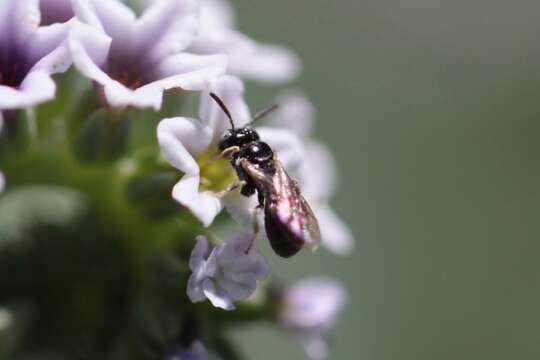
x=289, y=221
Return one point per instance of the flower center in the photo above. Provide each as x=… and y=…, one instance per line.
x=216, y=173
x=12, y=71
x=126, y=68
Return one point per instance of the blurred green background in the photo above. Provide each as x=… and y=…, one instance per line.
x=432, y=108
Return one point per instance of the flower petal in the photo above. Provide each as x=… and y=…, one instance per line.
x=89, y=50
x=36, y=88
x=194, y=289
x=186, y=71
x=317, y=173
x=313, y=305
x=218, y=298
x=199, y=254
x=55, y=11
x=240, y=208
x=181, y=138
x=50, y=51
x=110, y=16
x=217, y=13
x=335, y=234
x=287, y=145
x=205, y=206
x=269, y=63
x=167, y=27
x=231, y=91
x=18, y=20
x=295, y=113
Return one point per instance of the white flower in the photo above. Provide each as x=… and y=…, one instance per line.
x=189, y=145
x=196, y=351
x=310, y=309
x=247, y=58
x=29, y=54
x=317, y=173
x=226, y=273
x=137, y=59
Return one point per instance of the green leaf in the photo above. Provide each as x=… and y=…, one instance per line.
x=103, y=137
x=91, y=137
x=23, y=207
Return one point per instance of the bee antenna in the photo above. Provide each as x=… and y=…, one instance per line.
x=223, y=107
x=264, y=112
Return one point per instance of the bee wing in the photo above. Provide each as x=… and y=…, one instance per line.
x=286, y=209
x=311, y=226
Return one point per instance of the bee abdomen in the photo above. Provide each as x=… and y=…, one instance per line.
x=283, y=241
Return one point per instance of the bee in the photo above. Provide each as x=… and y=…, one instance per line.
x=289, y=221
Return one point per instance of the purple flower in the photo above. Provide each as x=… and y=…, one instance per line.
x=137, y=59
x=55, y=11
x=310, y=309
x=190, y=145
x=29, y=54
x=196, y=351
x=317, y=173
x=225, y=273
x=247, y=58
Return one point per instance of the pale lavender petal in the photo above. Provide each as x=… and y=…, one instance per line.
x=335, y=234
x=295, y=113
x=199, y=254
x=239, y=289
x=222, y=41
x=167, y=27
x=194, y=290
x=217, y=297
x=240, y=208
x=18, y=20
x=231, y=91
x=36, y=88
x=188, y=72
x=49, y=50
x=182, y=138
x=196, y=351
x=89, y=50
x=285, y=143
x=217, y=14
x=119, y=95
x=313, y=305
x=269, y=63
x=110, y=16
x=316, y=347
x=204, y=205
x=317, y=173
x=55, y=11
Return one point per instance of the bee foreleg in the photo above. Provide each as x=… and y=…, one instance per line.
x=235, y=185
x=229, y=151
x=255, y=224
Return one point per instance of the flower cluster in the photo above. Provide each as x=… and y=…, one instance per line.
x=132, y=55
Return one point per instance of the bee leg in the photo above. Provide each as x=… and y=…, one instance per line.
x=255, y=223
x=235, y=185
x=224, y=154
x=228, y=151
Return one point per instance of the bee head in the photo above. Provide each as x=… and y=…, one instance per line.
x=237, y=137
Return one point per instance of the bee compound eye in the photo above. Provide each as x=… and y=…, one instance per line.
x=224, y=140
